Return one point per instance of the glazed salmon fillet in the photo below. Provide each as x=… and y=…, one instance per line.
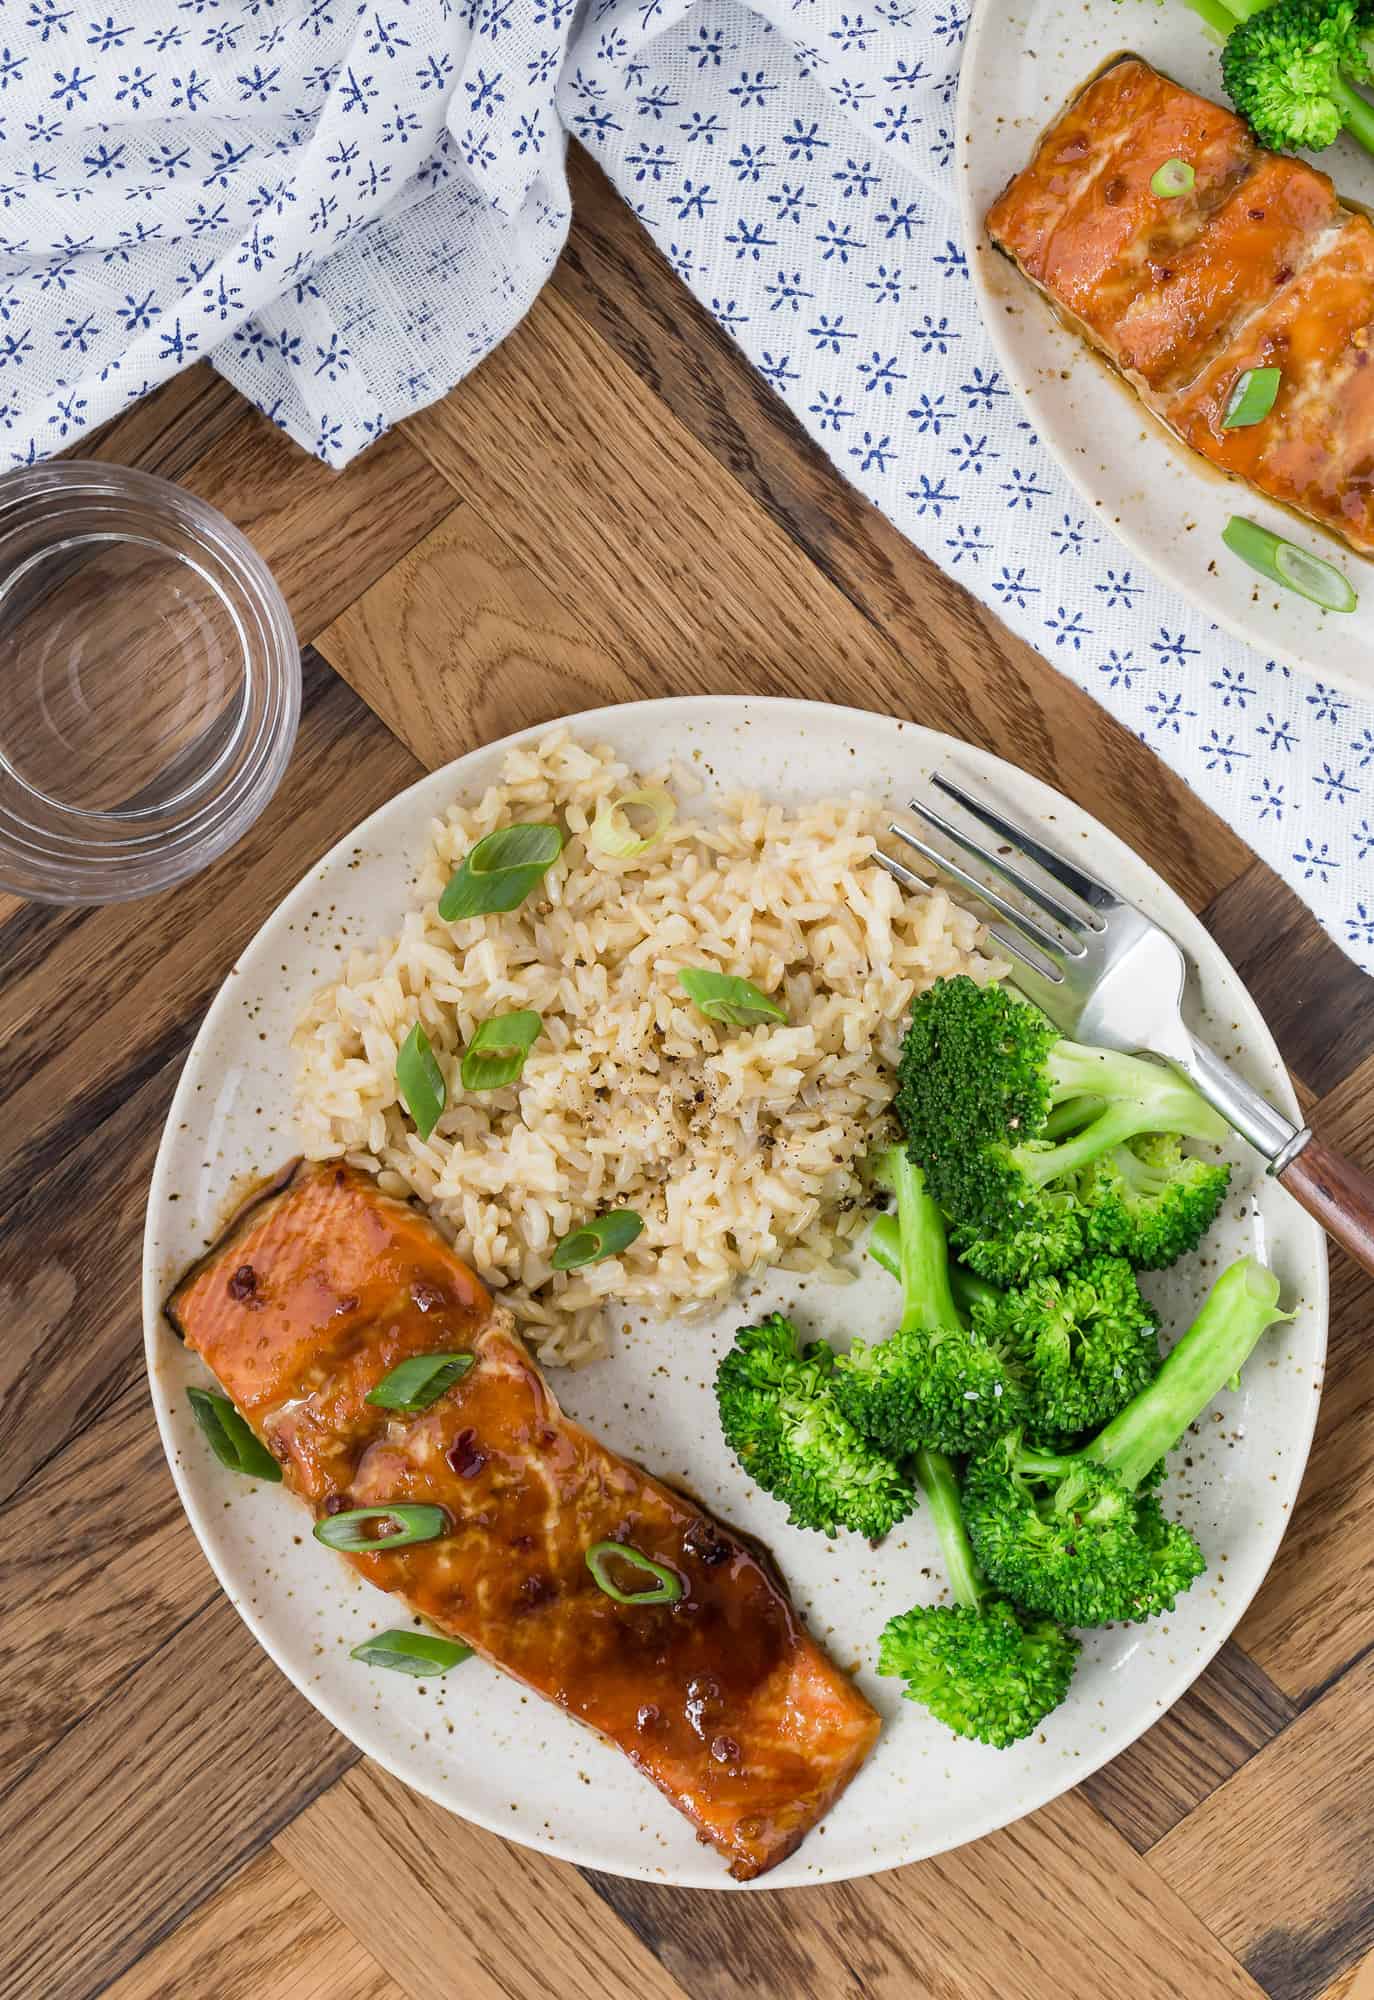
x=1257, y=265
x=722, y=1699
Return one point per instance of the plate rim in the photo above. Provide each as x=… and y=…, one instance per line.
x=984, y=258
x=711, y=1875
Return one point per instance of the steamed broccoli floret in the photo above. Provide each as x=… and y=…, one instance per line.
x=781, y=1419
x=933, y=1382
x=1285, y=69
x=979, y=1665
x=1070, y=1540
x=1087, y=1343
x=983, y=1265
x=921, y=1384
x=1047, y=1236
x=1150, y=1202
x=981, y=1076
x=1076, y=1538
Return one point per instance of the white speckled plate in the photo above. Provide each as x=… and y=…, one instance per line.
x=475, y=1742
x=1022, y=63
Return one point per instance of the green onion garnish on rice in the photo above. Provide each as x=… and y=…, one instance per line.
x=613, y=830
x=500, y=871
x=496, y=1054
x=604, y=1236
x=723, y=997
x=420, y=1081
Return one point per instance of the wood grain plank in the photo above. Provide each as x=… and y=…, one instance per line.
x=1319, y=1006
x=461, y=642
x=73, y=1042
x=1355, y=1983
x=1276, y=1863
x=154, y=1799
x=96, y=1544
x=263, y=1936
x=964, y=671
x=1361, y=1980
x=1224, y=1719
x=1342, y=1986
x=518, y=1926
x=1059, y=1904
x=1315, y=1612
x=634, y=524
x=325, y=535
x=70, y=1252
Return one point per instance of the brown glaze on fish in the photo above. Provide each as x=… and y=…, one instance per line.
x=1258, y=265
x=721, y=1699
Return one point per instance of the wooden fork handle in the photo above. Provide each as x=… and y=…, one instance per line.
x=1338, y=1193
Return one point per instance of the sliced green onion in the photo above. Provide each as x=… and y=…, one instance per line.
x=500, y=871
x=229, y=1437
x=722, y=997
x=420, y=1081
x=1285, y=563
x=667, y=1590
x=1174, y=178
x=496, y=1054
x=1252, y=398
x=613, y=832
x=422, y=1654
x=604, y=1236
x=409, y=1524
x=419, y=1381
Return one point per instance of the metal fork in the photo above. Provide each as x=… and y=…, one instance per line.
x=1105, y=973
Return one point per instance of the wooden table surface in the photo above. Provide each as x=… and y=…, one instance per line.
x=613, y=507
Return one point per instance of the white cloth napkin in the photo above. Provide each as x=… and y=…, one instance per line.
x=345, y=206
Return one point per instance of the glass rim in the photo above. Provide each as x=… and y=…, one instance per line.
x=78, y=855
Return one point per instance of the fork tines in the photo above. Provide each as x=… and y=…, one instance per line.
x=1018, y=841
x=1085, y=887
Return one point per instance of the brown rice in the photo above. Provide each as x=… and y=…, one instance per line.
x=739, y=1147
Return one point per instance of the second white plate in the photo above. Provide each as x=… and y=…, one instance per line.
x=1022, y=63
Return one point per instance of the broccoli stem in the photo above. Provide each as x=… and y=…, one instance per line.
x=941, y=1488
x=923, y=1253
x=1220, y=19
x=1222, y=15
x=1241, y=1304
x=1161, y=1099
x=1357, y=113
x=1072, y=1116
x=968, y=1289
x=1135, y=1096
